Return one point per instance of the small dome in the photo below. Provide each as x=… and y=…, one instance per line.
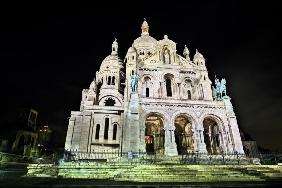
x=111, y=61
x=198, y=55
x=131, y=50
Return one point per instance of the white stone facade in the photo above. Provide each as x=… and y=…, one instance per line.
x=174, y=110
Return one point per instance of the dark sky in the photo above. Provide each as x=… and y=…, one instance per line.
x=49, y=53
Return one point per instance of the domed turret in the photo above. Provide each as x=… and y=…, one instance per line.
x=198, y=58
x=131, y=54
x=112, y=60
x=131, y=50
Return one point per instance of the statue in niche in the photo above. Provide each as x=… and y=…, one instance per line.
x=166, y=56
x=134, y=82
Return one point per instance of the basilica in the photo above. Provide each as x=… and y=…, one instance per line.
x=155, y=101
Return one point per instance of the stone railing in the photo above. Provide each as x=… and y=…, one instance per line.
x=140, y=157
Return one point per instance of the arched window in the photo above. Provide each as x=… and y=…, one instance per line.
x=106, y=130
x=97, y=132
x=147, y=92
x=168, y=87
x=113, y=80
x=115, y=132
x=189, y=94
x=109, y=80
x=110, y=102
x=146, y=86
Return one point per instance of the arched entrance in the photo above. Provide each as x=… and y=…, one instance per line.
x=154, y=134
x=212, y=136
x=183, y=134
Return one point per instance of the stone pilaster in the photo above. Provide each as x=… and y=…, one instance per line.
x=230, y=148
x=237, y=142
x=76, y=133
x=170, y=145
x=201, y=144
x=85, y=131
x=68, y=143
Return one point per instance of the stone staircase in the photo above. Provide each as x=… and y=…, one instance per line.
x=136, y=172
x=186, y=173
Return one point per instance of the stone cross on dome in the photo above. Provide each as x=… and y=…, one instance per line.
x=145, y=28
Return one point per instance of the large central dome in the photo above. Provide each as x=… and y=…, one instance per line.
x=145, y=44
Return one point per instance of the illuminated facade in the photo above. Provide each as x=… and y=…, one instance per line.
x=173, y=110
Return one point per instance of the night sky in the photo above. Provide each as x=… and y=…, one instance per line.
x=49, y=53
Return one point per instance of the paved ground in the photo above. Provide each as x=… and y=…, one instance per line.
x=57, y=182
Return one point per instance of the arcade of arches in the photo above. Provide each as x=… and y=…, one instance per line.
x=184, y=138
x=154, y=134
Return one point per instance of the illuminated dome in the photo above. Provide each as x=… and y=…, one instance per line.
x=131, y=50
x=145, y=43
x=198, y=55
x=112, y=61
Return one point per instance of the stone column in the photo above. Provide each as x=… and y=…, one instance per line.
x=170, y=145
x=201, y=143
x=178, y=91
x=102, y=129
x=110, y=130
x=120, y=131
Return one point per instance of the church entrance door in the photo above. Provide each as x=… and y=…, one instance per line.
x=212, y=136
x=154, y=134
x=183, y=135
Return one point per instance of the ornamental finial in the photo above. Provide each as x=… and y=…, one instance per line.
x=145, y=27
